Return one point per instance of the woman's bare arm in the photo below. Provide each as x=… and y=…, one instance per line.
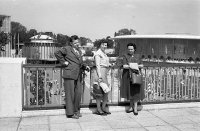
x=98, y=67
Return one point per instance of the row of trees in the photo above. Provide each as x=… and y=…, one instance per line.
x=107, y=40
x=110, y=42
x=19, y=33
x=25, y=35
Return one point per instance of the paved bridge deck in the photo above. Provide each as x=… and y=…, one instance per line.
x=153, y=117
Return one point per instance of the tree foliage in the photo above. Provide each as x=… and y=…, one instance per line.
x=18, y=29
x=125, y=31
x=63, y=39
x=107, y=40
x=84, y=41
x=4, y=39
x=30, y=33
x=110, y=42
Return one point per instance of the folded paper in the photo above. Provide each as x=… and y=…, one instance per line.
x=134, y=66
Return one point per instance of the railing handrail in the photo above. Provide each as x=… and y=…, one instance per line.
x=166, y=64
x=151, y=64
x=42, y=65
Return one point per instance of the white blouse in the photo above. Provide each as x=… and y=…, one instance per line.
x=104, y=60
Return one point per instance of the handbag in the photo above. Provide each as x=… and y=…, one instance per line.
x=99, y=88
x=105, y=87
x=97, y=91
x=136, y=78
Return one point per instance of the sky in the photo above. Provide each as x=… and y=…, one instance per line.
x=97, y=19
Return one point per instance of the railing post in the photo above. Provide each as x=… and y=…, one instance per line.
x=37, y=86
x=45, y=86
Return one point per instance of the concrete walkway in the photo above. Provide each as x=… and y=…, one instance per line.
x=153, y=117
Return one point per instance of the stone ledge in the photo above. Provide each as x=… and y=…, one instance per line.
x=12, y=60
x=112, y=109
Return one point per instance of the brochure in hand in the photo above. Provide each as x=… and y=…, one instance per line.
x=134, y=66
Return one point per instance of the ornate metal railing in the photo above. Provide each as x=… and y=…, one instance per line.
x=43, y=85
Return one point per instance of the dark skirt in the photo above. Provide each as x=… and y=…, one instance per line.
x=129, y=90
x=135, y=92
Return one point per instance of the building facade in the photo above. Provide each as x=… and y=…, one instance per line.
x=181, y=47
x=41, y=47
x=5, y=26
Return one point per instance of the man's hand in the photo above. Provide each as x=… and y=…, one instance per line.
x=112, y=65
x=100, y=79
x=141, y=65
x=66, y=63
x=87, y=68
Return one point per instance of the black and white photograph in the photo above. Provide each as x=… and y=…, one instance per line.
x=99, y=65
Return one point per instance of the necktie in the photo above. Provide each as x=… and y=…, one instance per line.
x=76, y=51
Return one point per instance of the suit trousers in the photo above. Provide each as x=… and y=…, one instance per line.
x=73, y=93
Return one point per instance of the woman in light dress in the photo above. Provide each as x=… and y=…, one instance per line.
x=99, y=74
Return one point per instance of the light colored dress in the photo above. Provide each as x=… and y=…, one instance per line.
x=103, y=65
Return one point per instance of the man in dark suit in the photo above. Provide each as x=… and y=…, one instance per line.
x=70, y=57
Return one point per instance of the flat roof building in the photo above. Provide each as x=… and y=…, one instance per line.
x=173, y=46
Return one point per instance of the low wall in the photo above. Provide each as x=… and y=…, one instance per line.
x=11, y=79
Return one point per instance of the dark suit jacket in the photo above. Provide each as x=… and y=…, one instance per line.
x=73, y=70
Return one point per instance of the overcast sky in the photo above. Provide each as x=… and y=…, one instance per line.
x=96, y=19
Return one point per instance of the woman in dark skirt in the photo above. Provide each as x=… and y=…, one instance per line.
x=132, y=92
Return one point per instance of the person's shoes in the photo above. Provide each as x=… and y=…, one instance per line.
x=129, y=110
x=73, y=116
x=107, y=112
x=79, y=114
x=135, y=113
x=101, y=113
